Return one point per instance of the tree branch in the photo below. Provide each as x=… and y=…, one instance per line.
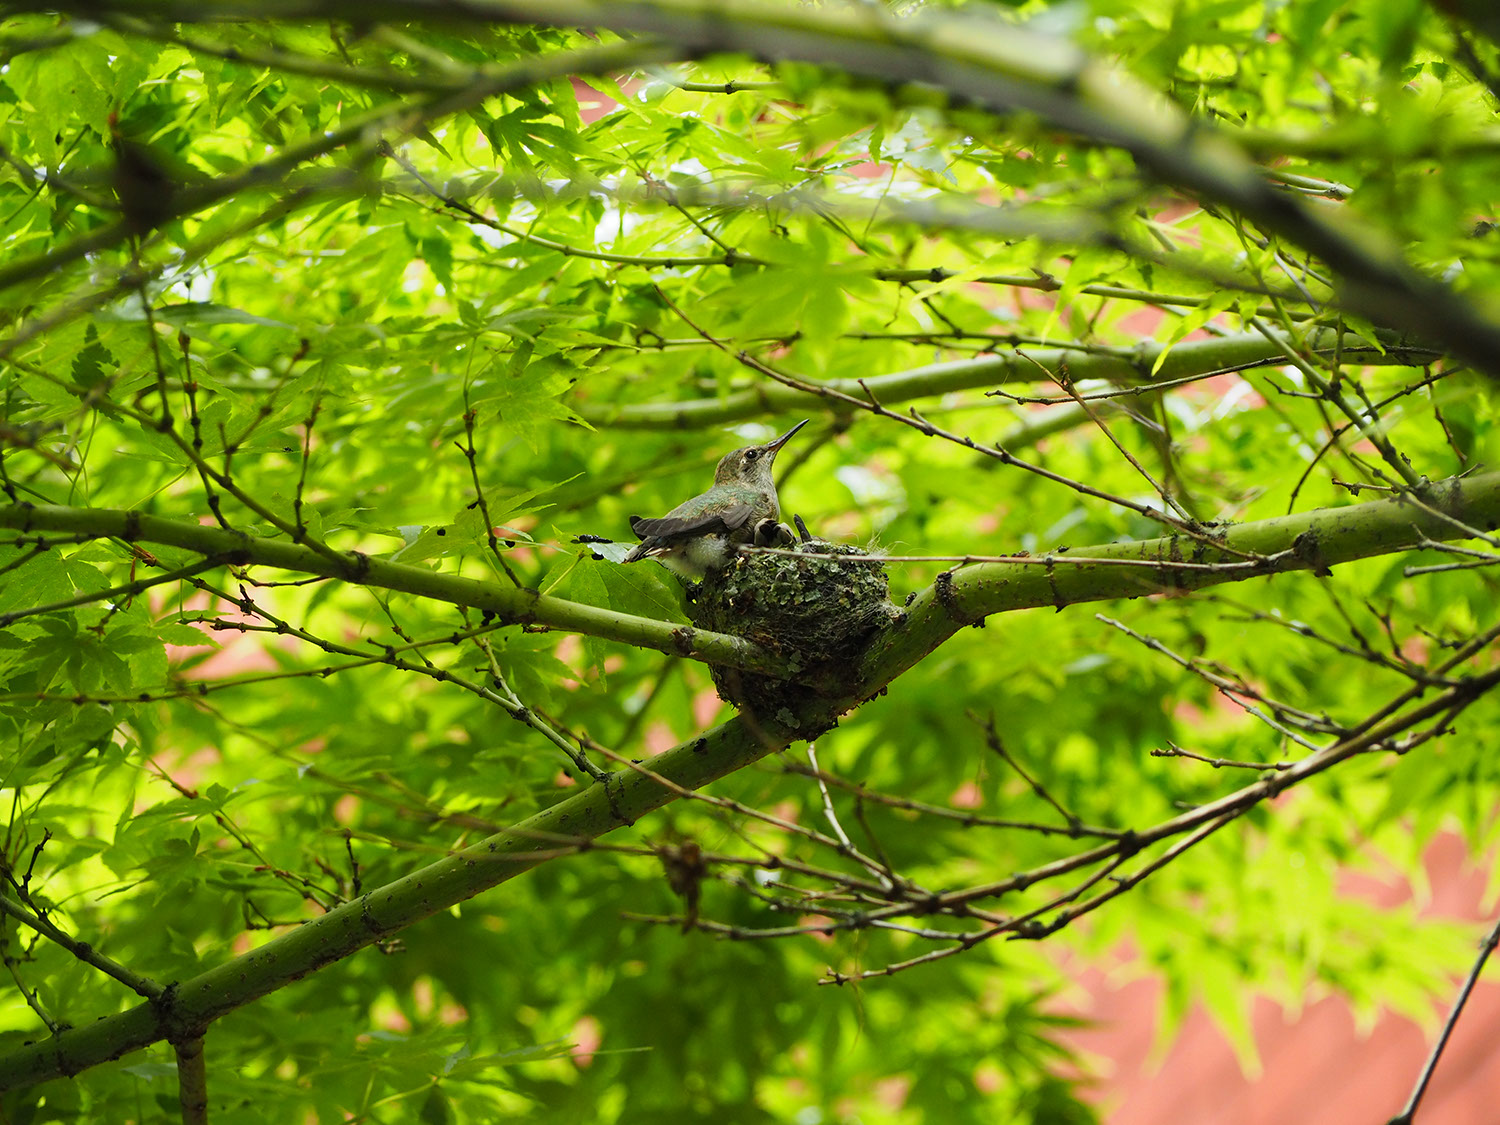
x=190, y=199
x=512, y=605
x=995, y=65
x=1312, y=540
x=1486, y=948
x=561, y=829
x=1137, y=366
x=192, y=1080
x=86, y=953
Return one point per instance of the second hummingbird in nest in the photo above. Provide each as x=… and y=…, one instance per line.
x=701, y=534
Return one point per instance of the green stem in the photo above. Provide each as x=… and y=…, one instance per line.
x=998, y=66
x=1311, y=540
x=1151, y=362
x=86, y=953
x=382, y=913
x=513, y=606
x=1314, y=540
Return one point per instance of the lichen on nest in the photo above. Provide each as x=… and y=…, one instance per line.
x=819, y=613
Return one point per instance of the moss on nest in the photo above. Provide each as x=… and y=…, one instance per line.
x=818, y=613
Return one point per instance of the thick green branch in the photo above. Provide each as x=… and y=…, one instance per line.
x=1004, y=68
x=511, y=605
x=1311, y=540
x=196, y=1002
x=989, y=63
x=1130, y=366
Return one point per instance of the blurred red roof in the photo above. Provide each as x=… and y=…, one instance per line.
x=1315, y=1067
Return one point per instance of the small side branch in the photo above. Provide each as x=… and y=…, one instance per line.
x=1486, y=948
x=141, y=986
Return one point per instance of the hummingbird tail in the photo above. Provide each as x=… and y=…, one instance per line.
x=643, y=550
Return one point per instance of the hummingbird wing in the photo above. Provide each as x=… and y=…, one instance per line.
x=677, y=527
x=661, y=535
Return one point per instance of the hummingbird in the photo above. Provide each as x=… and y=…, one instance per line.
x=701, y=534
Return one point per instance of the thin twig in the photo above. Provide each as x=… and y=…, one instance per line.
x=993, y=741
x=917, y=422
x=1239, y=694
x=849, y=851
x=484, y=508
x=114, y=593
x=887, y=877
x=828, y=811
x=1062, y=380
x=1262, y=564
x=1487, y=947
x=1172, y=750
x=505, y=695
x=964, y=817
x=141, y=986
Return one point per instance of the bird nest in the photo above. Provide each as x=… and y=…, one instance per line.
x=819, y=613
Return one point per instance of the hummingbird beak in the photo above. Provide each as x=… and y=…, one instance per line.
x=773, y=447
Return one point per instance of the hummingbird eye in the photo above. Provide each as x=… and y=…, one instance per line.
x=751, y=454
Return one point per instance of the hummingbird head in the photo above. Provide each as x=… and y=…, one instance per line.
x=752, y=465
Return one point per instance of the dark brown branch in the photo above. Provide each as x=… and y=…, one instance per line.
x=1486, y=947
